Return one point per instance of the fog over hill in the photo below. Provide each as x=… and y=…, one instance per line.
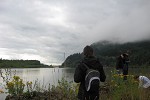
x=107, y=52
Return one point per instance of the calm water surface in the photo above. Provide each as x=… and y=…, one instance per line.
x=46, y=76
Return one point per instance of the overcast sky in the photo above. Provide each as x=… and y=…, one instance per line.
x=46, y=29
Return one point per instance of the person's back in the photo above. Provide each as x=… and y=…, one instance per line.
x=144, y=82
x=125, y=65
x=119, y=62
x=80, y=72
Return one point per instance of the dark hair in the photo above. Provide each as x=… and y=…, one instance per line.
x=88, y=51
x=125, y=54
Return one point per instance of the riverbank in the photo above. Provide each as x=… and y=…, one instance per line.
x=50, y=82
x=106, y=93
x=115, y=89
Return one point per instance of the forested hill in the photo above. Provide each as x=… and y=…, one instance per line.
x=139, y=53
x=4, y=63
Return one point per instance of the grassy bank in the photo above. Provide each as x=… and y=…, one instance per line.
x=114, y=89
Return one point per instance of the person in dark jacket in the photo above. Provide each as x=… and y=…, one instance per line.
x=122, y=65
x=125, y=66
x=119, y=64
x=80, y=72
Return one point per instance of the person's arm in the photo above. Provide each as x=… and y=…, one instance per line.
x=102, y=73
x=78, y=75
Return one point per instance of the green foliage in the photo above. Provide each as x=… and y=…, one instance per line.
x=119, y=89
x=123, y=89
x=126, y=89
x=65, y=90
x=16, y=86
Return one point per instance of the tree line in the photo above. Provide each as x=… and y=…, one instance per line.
x=5, y=63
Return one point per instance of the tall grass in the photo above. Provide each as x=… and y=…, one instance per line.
x=119, y=89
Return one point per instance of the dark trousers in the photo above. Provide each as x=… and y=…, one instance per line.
x=125, y=71
x=92, y=96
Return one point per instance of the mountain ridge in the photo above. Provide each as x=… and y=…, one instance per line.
x=107, y=52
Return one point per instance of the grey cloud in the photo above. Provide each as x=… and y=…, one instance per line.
x=46, y=29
